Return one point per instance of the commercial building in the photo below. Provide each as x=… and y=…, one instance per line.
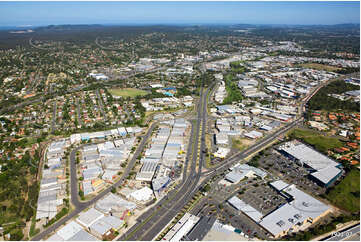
x=302, y=211
x=240, y=171
x=322, y=169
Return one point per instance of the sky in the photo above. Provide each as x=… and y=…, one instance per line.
x=125, y=13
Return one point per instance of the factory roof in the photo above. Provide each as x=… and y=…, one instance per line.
x=69, y=230
x=143, y=194
x=82, y=235
x=149, y=166
x=160, y=182
x=89, y=217
x=327, y=174
x=235, y=176
x=113, y=202
x=282, y=219
x=100, y=226
x=113, y=221
x=55, y=237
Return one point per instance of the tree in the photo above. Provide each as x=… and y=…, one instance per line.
x=114, y=190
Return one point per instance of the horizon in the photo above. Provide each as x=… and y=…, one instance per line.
x=18, y=14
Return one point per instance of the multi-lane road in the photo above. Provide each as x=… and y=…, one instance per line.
x=154, y=220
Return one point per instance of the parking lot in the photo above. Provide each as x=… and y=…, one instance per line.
x=242, y=222
x=263, y=198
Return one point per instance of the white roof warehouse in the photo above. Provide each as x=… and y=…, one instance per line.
x=322, y=169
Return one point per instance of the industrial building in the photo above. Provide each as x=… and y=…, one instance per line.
x=52, y=184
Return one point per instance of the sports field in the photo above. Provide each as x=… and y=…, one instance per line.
x=127, y=92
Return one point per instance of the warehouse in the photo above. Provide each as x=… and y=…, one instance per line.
x=82, y=235
x=221, y=139
x=253, y=134
x=142, y=195
x=69, y=230
x=322, y=169
x=114, y=204
x=147, y=171
x=89, y=217
x=101, y=227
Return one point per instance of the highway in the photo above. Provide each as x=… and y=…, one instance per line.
x=79, y=206
x=154, y=220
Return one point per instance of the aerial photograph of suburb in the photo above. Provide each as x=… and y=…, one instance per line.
x=179, y=120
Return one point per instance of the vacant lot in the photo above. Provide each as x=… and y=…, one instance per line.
x=127, y=92
x=319, y=141
x=317, y=66
x=346, y=194
x=241, y=144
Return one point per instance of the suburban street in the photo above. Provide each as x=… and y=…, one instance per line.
x=101, y=106
x=53, y=122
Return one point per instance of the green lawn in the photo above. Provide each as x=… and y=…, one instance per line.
x=127, y=92
x=346, y=194
x=320, y=142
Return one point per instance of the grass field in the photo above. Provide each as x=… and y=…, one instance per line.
x=241, y=144
x=346, y=194
x=317, y=66
x=320, y=142
x=127, y=92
